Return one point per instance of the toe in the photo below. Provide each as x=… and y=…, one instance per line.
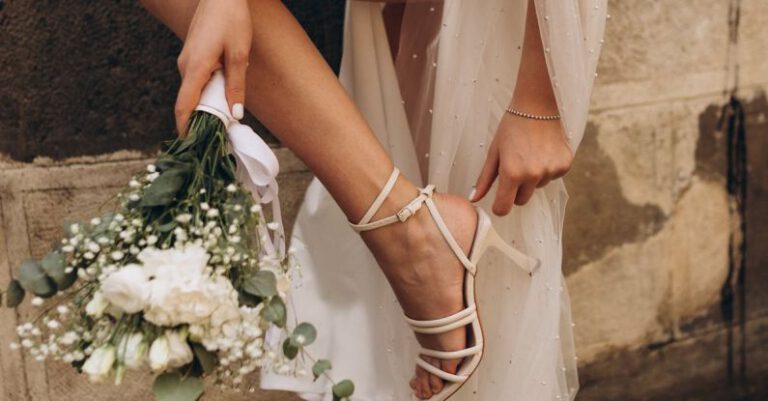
x=435, y=383
x=414, y=383
x=423, y=383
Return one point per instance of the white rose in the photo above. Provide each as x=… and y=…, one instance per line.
x=174, y=264
x=133, y=349
x=221, y=289
x=97, y=305
x=99, y=364
x=180, y=353
x=158, y=354
x=127, y=288
x=171, y=350
x=182, y=293
x=172, y=304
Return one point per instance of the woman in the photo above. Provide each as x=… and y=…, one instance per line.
x=477, y=92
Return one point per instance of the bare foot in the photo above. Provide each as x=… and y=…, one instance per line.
x=426, y=276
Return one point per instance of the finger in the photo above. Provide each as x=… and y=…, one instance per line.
x=524, y=193
x=487, y=175
x=189, y=95
x=543, y=183
x=505, y=196
x=235, y=66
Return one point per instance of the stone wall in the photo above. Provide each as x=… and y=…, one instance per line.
x=662, y=311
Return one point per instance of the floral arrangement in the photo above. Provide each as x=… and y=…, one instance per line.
x=184, y=279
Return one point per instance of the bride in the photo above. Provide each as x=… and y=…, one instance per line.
x=486, y=102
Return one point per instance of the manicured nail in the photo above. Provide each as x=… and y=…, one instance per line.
x=237, y=111
x=472, y=193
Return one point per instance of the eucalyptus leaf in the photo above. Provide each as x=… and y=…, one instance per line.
x=244, y=298
x=320, y=367
x=165, y=187
x=206, y=358
x=54, y=265
x=343, y=389
x=262, y=284
x=274, y=311
x=304, y=334
x=33, y=279
x=289, y=349
x=14, y=294
x=174, y=387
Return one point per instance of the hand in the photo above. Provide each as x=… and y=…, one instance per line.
x=219, y=35
x=525, y=154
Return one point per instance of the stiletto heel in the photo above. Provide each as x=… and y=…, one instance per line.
x=485, y=238
x=492, y=239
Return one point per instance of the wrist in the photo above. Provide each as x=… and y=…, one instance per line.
x=534, y=105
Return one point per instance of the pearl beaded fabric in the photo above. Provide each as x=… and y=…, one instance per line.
x=436, y=109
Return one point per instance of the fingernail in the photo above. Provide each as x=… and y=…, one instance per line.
x=472, y=193
x=237, y=111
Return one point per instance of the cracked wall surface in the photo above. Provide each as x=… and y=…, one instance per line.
x=659, y=312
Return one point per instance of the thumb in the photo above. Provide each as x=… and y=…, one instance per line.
x=487, y=175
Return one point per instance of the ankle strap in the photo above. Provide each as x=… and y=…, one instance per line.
x=409, y=210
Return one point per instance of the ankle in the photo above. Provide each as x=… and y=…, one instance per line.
x=402, y=193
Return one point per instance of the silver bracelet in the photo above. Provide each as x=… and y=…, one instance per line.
x=510, y=110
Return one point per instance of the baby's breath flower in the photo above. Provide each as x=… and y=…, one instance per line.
x=89, y=255
x=204, y=206
x=212, y=213
x=151, y=240
x=151, y=168
x=134, y=197
x=37, y=301
x=184, y=218
x=231, y=188
x=152, y=176
x=273, y=226
x=117, y=255
x=256, y=209
x=134, y=184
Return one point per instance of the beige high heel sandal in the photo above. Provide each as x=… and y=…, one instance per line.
x=485, y=238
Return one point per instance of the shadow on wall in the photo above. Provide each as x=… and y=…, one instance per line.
x=79, y=79
x=721, y=354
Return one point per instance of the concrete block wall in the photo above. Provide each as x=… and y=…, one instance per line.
x=648, y=223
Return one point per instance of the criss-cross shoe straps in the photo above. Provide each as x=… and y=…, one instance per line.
x=462, y=318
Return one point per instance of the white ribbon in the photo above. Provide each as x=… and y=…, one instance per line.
x=257, y=165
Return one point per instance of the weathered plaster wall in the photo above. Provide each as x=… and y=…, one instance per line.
x=648, y=222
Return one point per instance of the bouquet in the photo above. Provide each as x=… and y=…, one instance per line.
x=184, y=279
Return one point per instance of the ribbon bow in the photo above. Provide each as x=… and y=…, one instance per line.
x=257, y=165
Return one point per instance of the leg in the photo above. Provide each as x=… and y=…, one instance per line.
x=296, y=95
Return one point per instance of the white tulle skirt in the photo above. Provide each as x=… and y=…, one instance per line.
x=463, y=80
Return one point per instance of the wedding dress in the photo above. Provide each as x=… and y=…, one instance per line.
x=436, y=108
